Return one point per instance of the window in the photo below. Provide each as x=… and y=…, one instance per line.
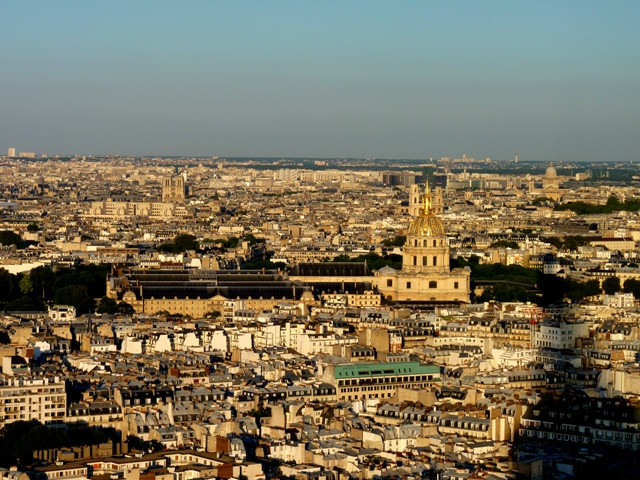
x=424, y=261
x=390, y=283
x=415, y=260
x=433, y=284
x=408, y=284
x=434, y=243
x=435, y=260
x=455, y=284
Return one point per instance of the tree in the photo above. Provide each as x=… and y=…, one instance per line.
x=8, y=286
x=25, y=284
x=41, y=279
x=632, y=285
x=107, y=305
x=125, y=308
x=181, y=243
x=7, y=237
x=572, y=242
x=25, y=304
x=505, y=244
x=611, y=285
x=185, y=242
x=555, y=241
x=33, y=227
x=397, y=241
x=76, y=295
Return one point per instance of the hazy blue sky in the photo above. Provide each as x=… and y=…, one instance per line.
x=554, y=80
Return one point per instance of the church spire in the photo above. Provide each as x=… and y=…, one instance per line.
x=426, y=203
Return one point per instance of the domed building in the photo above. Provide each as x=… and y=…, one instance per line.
x=551, y=184
x=550, y=178
x=426, y=275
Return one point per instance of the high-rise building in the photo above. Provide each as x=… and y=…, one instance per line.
x=11, y=152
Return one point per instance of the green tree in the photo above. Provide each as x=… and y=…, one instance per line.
x=397, y=241
x=632, y=285
x=7, y=237
x=33, y=227
x=41, y=279
x=185, y=242
x=505, y=244
x=572, y=242
x=125, y=308
x=107, y=305
x=76, y=295
x=25, y=304
x=9, y=286
x=93, y=277
x=555, y=241
x=503, y=292
x=25, y=284
x=611, y=285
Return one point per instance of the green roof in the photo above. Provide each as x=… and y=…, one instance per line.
x=386, y=369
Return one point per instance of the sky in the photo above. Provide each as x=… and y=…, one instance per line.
x=554, y=80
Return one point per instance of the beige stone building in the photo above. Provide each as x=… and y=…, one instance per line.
x=426, y=274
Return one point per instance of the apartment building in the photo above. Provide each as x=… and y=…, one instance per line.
x=360, y=381
x=27, y=399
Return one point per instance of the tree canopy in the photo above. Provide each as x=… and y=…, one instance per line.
x=517, y=283
x=76, y=286
x=505, y=244
x=611, y=285
x=374, y=261
x=613, y=205
x=180, y=244
x=7, y=237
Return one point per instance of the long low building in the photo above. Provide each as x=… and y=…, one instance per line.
x=361, y=381
x=198, y=292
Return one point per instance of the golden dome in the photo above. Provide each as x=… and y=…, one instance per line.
x=426, y=225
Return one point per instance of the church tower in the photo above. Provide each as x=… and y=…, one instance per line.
x=426, y=249
x=174, y=189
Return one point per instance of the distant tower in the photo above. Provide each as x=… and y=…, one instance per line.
x=415, y=200
x=516, y=157
x=11, y=152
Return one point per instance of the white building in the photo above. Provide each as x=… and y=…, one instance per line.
x=27, y=399
x=559, y=336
